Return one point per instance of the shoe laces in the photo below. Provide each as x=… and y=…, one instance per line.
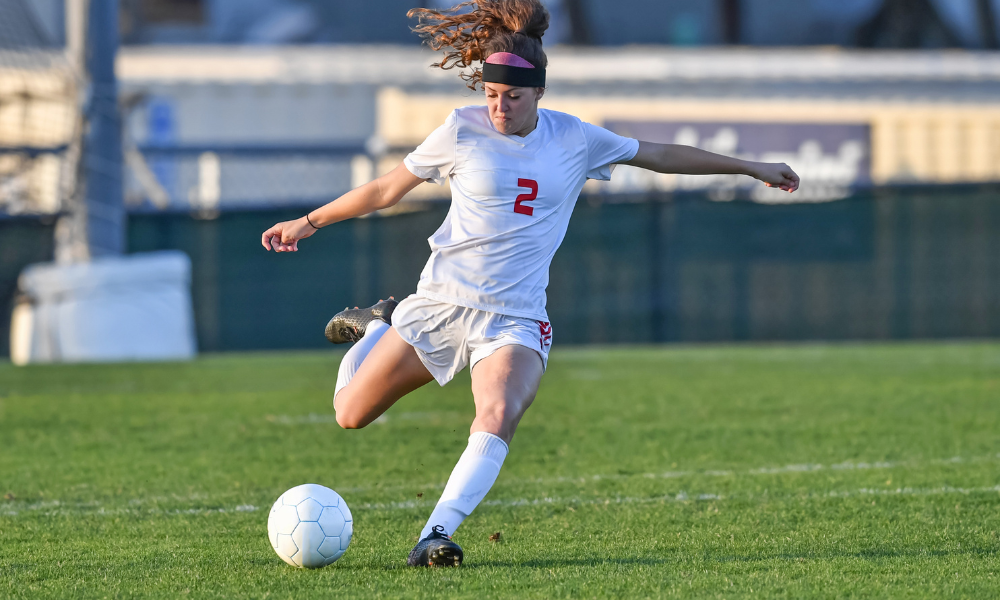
x=438, y=531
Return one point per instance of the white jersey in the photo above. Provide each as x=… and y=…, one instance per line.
x=512, y=198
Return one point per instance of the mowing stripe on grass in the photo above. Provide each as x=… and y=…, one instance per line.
x=55, y=508
x=683, y=496
x=796, y=468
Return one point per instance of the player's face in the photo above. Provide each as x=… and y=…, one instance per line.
x=513, y=110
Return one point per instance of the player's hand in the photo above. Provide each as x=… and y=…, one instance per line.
x=284, y=237
x=777, y=175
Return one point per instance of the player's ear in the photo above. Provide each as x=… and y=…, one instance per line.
x=539, y=92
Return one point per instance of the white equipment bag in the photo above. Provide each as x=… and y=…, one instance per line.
x=128, y=308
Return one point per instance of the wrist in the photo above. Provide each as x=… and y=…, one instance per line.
x=751, y=168
x=312, y=223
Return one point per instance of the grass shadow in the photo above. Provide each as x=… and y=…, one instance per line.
x=654, y=561
x=569, y=562
x=868, y=554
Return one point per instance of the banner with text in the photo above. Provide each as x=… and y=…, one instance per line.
x=831, y=159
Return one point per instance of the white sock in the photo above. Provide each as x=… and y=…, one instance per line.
x=351, y=362
x=471, y=479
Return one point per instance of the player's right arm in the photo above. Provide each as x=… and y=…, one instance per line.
x=383, y=192
x=674, y=158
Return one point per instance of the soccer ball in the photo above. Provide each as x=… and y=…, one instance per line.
x=310, y=526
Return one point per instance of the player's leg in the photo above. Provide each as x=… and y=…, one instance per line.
x=389, y=371
x=393, y=369
x=504, y=385
x=364, y=327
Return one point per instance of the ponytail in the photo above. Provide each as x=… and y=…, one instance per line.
x=514, y=26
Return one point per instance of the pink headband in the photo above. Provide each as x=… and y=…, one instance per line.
x=511, y=60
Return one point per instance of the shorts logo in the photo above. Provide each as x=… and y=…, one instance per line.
x=545, y=331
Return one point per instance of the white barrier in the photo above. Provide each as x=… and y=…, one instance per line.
x=135, y=307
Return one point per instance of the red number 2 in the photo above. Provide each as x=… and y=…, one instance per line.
x=523, y=209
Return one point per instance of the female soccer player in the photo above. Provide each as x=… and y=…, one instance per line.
x=515, y=171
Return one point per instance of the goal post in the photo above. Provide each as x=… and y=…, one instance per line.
x=39, y=116
x=103, y=204
x=60, y=126
x=61, y=159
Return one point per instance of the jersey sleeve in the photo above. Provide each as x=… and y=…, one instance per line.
x=434, y=159
x=604, y=149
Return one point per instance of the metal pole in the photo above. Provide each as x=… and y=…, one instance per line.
x=732, y=22
x=578, y=25
x=71, y=228
x=987, y=25
x=76, y=27
x=102, y=156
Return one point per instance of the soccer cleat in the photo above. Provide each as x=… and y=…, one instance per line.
x=435, y=550
x=349, y=324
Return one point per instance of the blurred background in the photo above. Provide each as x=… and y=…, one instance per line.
x=192, y=125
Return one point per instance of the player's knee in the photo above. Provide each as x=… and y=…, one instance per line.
x=349, y=421
x=493, y=415
x=347, y=417
x=497, y=413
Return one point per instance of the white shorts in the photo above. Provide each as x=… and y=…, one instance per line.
x=449, y=337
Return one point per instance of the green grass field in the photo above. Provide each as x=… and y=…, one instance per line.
x=764, y=472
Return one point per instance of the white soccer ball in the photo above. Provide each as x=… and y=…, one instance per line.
x=310, y=526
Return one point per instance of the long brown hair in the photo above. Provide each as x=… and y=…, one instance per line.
x=514, y=26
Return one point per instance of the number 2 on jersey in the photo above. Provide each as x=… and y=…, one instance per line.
x=524, y=209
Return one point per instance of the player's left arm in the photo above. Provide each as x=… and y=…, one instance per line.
x=382, y=192
x=687, y=160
